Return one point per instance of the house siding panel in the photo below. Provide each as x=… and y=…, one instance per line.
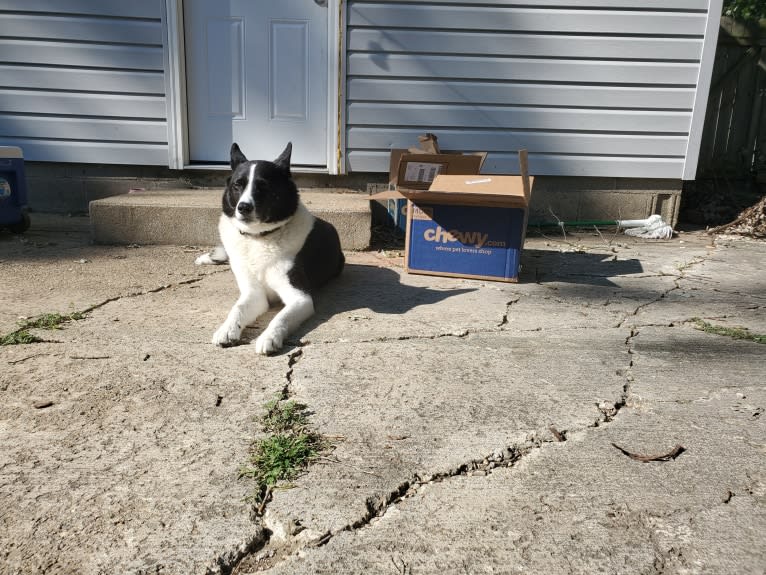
x=594, y=88
x=84, y=81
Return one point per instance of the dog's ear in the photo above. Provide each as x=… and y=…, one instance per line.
x=237, y=157
x=283, y=161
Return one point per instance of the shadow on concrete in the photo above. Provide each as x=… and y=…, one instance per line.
x=359, y=287
x=374, y=288
x=543, y=266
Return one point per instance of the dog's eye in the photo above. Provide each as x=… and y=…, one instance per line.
x=261, y=184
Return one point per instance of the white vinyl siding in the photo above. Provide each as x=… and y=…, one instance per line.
x=589, y=87
x=83, y=81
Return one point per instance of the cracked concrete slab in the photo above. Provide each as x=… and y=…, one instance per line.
x=55, y=267
x=581, y=506
x=458, y=399
x=573, y=507
x=446, y=402
x=123, y=450
x=713, y=289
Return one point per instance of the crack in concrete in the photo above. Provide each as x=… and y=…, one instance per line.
x=609, y=410
x=141, y=293
x=504, y=318
x=460, y=333
x=292, y=358
x=227, y=561
x=377, y=506
x=270, y=554
x=262, y=545
x=676, y=286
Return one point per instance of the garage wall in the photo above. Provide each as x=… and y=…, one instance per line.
x=596, y=88
x=83, y=81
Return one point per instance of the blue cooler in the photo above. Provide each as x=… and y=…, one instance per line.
x=13, y=190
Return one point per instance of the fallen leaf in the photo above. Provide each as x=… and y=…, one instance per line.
x=672, y=454
x=560, y=436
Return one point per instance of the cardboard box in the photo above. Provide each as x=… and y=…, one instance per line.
x=416, y=168
x=470, y=226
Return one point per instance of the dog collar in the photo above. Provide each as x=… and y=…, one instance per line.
x=261, y=234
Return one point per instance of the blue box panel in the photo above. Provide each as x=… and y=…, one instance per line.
x=397, y=214
x=13, y=190
x=473, y=241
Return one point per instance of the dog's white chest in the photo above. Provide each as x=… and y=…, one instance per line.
x=265, y=260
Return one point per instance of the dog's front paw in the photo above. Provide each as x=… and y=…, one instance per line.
x=213, y=258
x=226, y=335
x=270, y=341
x=204, y=260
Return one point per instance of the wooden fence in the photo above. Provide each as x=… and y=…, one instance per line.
x=734, y=135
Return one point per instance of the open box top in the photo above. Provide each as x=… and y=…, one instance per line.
x=417, y=170
x=470, y=189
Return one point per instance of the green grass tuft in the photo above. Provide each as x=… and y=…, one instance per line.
x=52, y=320
x=733, y=332
x=284, y=416
x=280, y=458
x=19, y=337
x=49, y=321
x=285, y=452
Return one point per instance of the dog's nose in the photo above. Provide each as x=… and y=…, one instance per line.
x=245, y=207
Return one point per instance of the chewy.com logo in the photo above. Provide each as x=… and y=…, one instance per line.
x=439, y=234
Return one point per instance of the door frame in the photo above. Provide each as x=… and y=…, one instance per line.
x=175, y=89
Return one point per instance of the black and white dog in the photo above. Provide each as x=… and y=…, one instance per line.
x=278, y=251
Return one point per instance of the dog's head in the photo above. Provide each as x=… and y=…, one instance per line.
x=260, y=196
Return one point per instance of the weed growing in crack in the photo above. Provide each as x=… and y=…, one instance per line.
x=47, y=321
x=19, y=337
x=733, y=332
x=285, y=452
x=284, y=416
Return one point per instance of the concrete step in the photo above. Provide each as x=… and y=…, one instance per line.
x=190, y=217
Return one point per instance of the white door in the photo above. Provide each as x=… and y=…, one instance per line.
x=256, y=74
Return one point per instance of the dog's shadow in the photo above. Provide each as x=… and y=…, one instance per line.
x=359, y=287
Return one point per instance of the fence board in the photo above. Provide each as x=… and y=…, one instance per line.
x=736, y=110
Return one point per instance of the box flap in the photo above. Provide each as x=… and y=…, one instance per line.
x=387, y=195
x=417, y=171
x=477, y=189
x=485, y=190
